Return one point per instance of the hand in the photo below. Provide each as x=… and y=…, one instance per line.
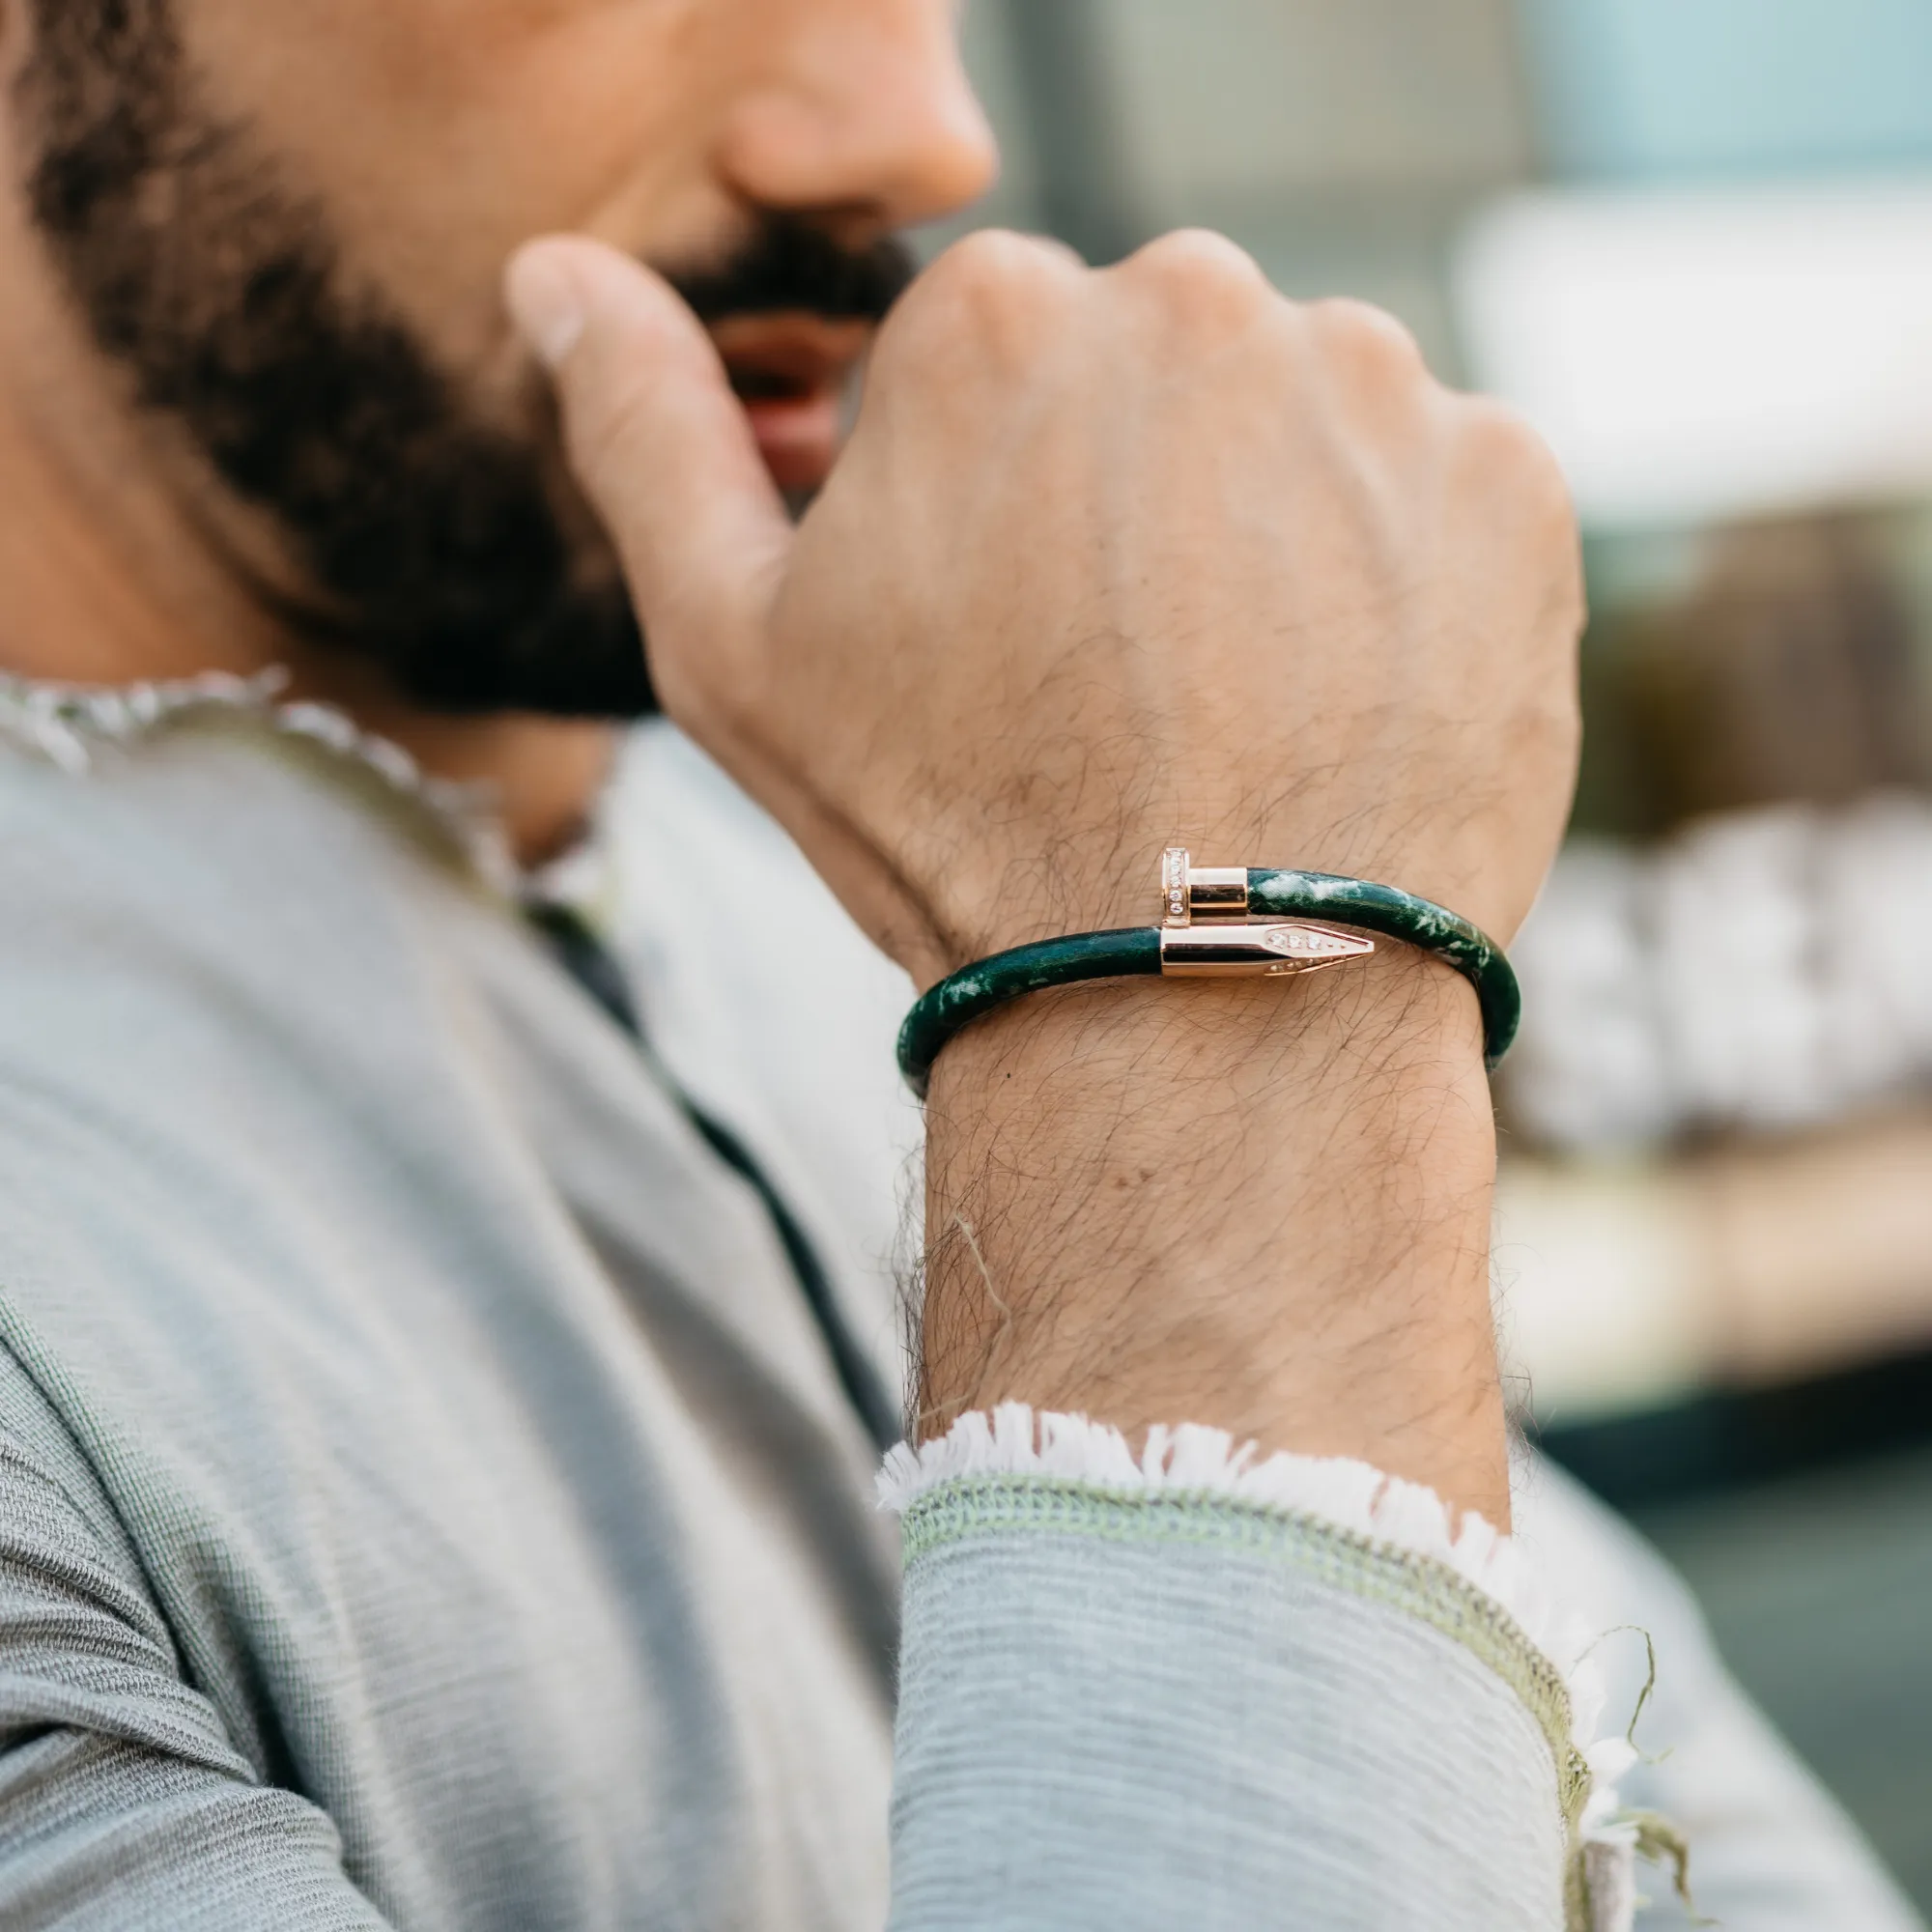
x=1112, y=561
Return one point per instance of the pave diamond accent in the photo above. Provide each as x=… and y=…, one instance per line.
x=1313, y=943
x=1175, y=900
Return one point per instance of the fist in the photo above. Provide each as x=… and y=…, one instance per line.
x=1112, y=561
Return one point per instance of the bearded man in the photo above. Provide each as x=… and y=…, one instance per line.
x=448, y=1131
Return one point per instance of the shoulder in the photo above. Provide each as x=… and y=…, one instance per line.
x=227, y=1016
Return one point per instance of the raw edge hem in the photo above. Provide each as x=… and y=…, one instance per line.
x=1369, y=1532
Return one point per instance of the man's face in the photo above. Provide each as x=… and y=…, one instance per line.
x=288, y=222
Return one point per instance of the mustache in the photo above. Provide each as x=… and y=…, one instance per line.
x=790, y=262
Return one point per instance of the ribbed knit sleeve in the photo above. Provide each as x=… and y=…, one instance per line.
x=1226, y=1696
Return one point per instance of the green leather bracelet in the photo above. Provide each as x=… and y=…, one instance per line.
x=973, y=991
x=1221, y=947
x=1419, y=922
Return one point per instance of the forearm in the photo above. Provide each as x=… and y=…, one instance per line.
x=1187, y=1684
x=1107, y=552
x=1259, y=1206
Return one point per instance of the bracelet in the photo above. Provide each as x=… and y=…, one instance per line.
x=1419, y=922
x=1219, y=922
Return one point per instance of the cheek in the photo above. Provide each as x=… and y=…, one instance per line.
x=440, y=134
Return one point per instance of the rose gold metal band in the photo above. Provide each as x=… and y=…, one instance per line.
x=1255, y=951
x=1192, y=895
x=1206, y=932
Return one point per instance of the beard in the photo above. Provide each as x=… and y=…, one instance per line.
x=430, y=539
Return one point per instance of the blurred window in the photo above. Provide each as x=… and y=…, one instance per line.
x=1653, y=88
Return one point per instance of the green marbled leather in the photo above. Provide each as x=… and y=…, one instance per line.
x=976, y=990
x=1397, y=915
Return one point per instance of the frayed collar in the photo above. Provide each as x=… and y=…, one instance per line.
x=68, y=726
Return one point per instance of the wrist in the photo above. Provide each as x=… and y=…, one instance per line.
x=1262, y=1206
x=1240, y=923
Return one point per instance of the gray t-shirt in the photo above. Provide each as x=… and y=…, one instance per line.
x=426, y=1499
x=399, y=1404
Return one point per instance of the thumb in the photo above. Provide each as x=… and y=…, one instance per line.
x=664, y=450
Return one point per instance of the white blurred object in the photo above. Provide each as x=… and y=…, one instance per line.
x=1601, y=1288
x=1767, y=970
x=1737, y=990
x=1874, y=909
x=1703, y=354
x=1588, y=1068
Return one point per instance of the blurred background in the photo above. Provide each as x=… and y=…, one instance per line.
x=1692, y=241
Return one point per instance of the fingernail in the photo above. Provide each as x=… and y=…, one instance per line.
x=545, y=302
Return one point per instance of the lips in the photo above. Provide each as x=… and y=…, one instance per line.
x=791, y=372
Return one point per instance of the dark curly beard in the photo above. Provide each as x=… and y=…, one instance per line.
x=431, y=540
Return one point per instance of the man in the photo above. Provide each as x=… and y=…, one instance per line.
x=434, y=1449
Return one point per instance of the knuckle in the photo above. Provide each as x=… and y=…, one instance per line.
x=996, y=264
x=1194, y=253
x=1515, y=471
x=1504, y=445
x=994, y=284
x=1367, y=336
x=1202, y=275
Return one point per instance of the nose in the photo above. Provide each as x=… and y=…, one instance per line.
x=859, y=105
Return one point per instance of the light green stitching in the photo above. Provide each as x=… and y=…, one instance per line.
x=1377, y=1572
